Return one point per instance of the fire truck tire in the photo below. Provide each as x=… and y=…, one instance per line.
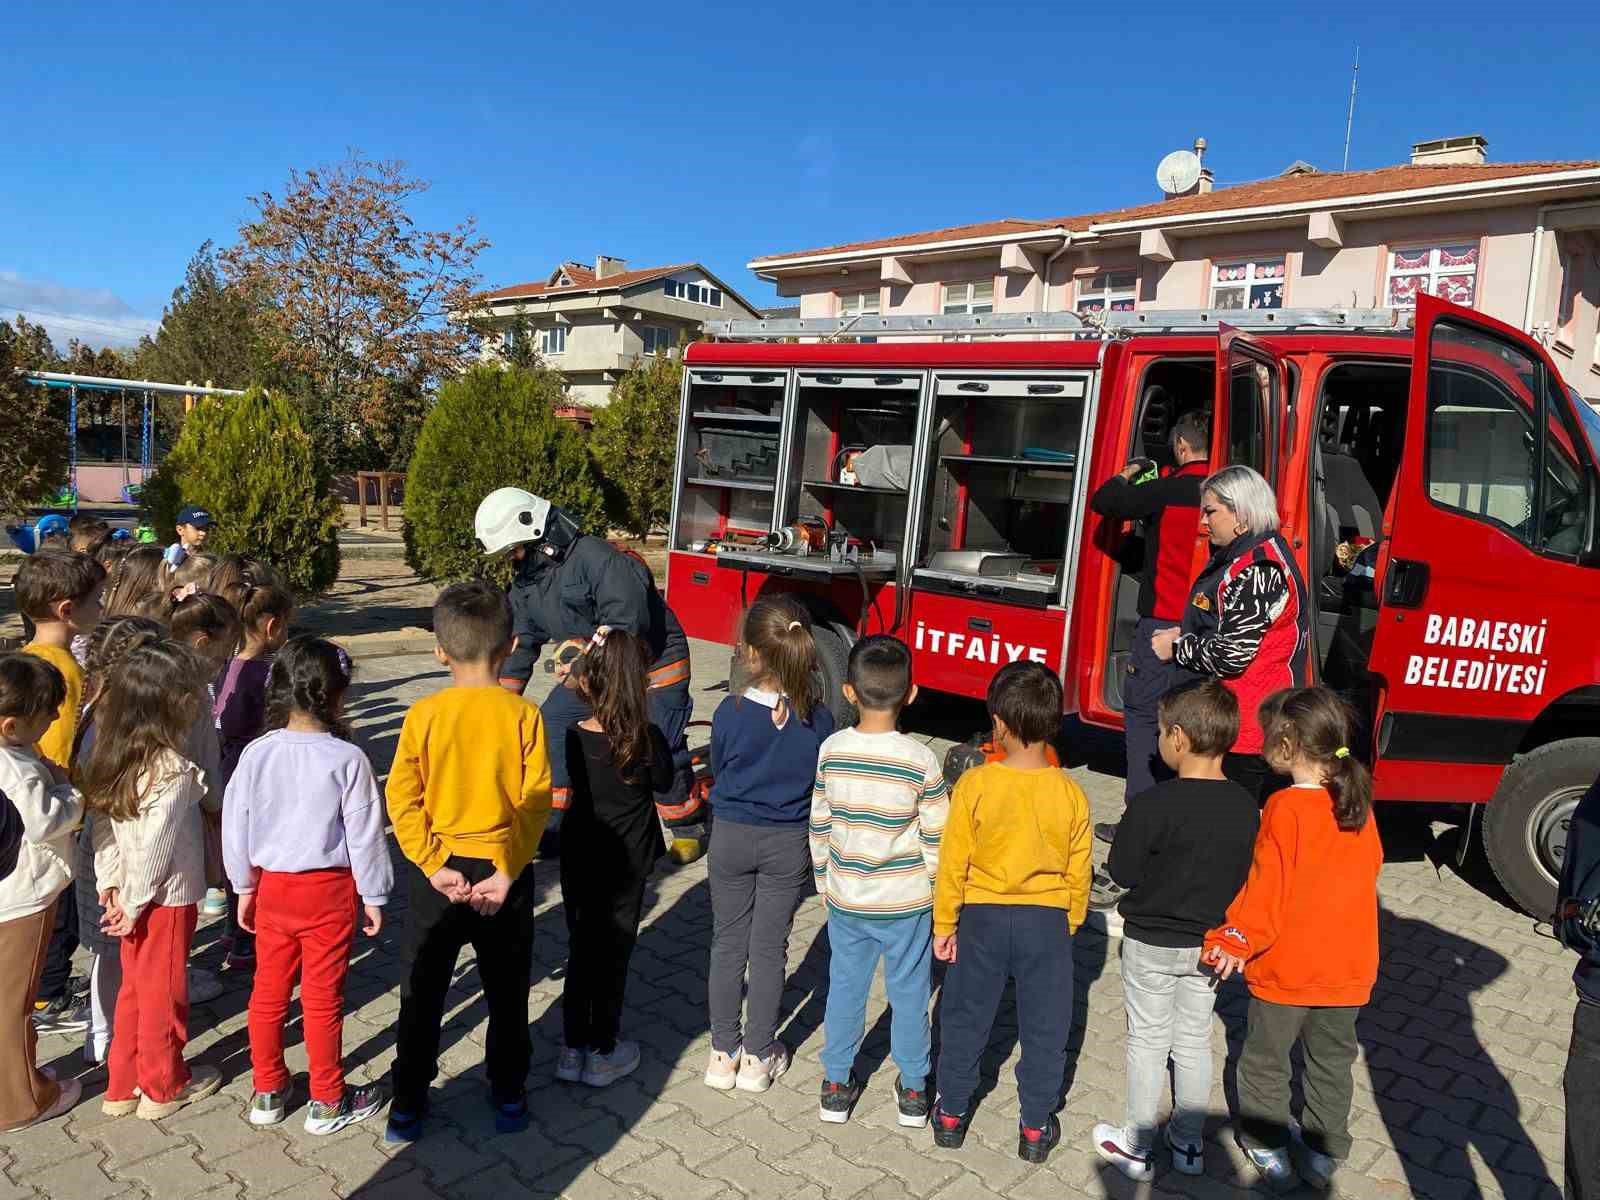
x=1525, y=824
x=832, y=658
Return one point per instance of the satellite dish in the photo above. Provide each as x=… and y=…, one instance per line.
x=1178, y=171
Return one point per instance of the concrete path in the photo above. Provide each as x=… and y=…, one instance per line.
x=1458, y=1089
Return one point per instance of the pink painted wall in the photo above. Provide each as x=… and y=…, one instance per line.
x=101, y=483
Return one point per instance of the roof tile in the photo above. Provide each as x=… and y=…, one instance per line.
x=580, y=284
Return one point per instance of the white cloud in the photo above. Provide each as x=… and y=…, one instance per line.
x=95, y=316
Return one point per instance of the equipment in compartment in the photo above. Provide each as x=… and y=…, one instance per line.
x=885, y=466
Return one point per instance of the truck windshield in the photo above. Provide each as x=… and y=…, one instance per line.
x=1590, y=421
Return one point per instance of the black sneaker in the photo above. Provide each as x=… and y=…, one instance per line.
x=913, y=1105
x=357, y=1104
x=1104, y=892
x=510, y=1116
x=78, y=985
x=1034, y=1145
x=1106, y=831
x=839, y=1100
x=269, y=1108
x=64, y=1014
x=948, y=1131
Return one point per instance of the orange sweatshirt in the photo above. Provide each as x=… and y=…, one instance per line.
x=1306, y=921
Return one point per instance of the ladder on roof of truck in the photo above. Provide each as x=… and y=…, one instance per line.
x=1098, y=325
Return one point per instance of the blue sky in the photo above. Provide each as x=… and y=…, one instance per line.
x=711, y=132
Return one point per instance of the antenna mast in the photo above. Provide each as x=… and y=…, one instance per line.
x=1350, y=117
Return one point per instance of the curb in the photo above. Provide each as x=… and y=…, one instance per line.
x=13, y=558
x=387, y=645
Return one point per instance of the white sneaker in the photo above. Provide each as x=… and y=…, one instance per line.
x=68, y=1096
x=1188, y=1158
x=599, y=1070
x=1274, y=1167
x=722, y=1072
x=569, y=1065
x=1111, y=1144
x=204, y=986
x=1316, y=1169
x=757, y=1074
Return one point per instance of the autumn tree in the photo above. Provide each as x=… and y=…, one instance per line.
x=634, y=442
x=357, y=298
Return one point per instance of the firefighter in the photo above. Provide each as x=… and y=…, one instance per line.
x=1169, y=507
x=569, y=583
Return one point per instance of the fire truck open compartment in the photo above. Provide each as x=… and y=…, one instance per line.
x=1002, y=485
x=729, y=463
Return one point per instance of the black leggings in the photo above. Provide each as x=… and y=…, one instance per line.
x=602, y=925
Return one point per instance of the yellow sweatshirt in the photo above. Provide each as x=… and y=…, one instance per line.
x=471, y=776
x=56, y=744
x=1014, y=837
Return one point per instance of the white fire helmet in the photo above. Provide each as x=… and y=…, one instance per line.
x=510, y=517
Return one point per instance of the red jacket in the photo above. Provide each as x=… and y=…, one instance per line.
x=1306, y=920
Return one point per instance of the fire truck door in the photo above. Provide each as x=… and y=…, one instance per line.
x=1249, y=413
x=1484, y=592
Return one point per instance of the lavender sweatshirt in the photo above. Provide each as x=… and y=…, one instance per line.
x=305, y=802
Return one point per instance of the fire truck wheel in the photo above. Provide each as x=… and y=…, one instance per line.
x=1525, y=825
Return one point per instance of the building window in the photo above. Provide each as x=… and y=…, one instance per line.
x=1449, y=272
x=657, y=340
x=508, y=339
x=1115, y=291
x=859, y=304
x=694, y=293
x=553, y=340
x=1255, y=283
x=969, y=299
x=1576, y=254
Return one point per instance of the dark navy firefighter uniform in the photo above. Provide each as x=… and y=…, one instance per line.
x=568, y=585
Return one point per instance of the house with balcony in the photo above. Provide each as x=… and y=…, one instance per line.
x=595, y=323
x=1518, y=241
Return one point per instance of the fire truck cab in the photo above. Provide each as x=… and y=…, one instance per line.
x=1437, y=482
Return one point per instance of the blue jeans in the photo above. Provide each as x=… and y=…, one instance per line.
x=906, y=946
x=1148, y=680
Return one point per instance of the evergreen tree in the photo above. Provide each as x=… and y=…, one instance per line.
x=249, y=461
x=33, y=434
x=635, y=443
x=492, y=428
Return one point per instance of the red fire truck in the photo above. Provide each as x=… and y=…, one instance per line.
x=938, y=490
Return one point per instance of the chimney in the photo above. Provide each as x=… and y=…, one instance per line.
x=1473, y=149
x=1206, y=181
x=606, y=266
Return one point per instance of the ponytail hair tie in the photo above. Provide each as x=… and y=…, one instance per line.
x=1342, y=752
x=793, y=625
x=179, y=595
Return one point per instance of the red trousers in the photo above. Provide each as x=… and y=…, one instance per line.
x=152, y=1022
x=305, y=922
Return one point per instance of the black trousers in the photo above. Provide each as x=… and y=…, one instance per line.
x=1327, y=1038
x=995, y=942
x=436, y=930
x=1148, y=679
x=1581, y=1085
x=602, y=925
x=1250, y=771
x=63, y=945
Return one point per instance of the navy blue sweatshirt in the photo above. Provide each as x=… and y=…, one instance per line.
x=763, y=774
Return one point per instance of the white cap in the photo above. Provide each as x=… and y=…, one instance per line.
x=510, y=517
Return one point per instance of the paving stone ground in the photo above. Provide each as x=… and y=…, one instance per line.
x=1458, y=1088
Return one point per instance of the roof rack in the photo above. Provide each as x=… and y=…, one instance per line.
x=1095, y=325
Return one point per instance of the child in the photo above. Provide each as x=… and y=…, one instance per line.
x=468, y=794
x=86, y=533
x=610, y=841
x=1182, y=850
x=303, y=838
x=1304, y=931
x=209, y=625
x=877, y=812
x=764, y=745
x=109, y=644
x=60, y=591
x=1014, y=881
x=135, y=586
x=195, y=569
x=149, y=862
x=194, y=527
x=31, y=694
x=265, y=607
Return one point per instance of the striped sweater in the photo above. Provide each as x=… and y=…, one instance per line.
x=877, y=812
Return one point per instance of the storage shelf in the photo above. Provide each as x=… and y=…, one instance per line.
x=737, y=418
x=742, y=485
x=853, y=487
x=990, y=460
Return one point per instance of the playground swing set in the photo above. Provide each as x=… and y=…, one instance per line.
x=25, y=536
